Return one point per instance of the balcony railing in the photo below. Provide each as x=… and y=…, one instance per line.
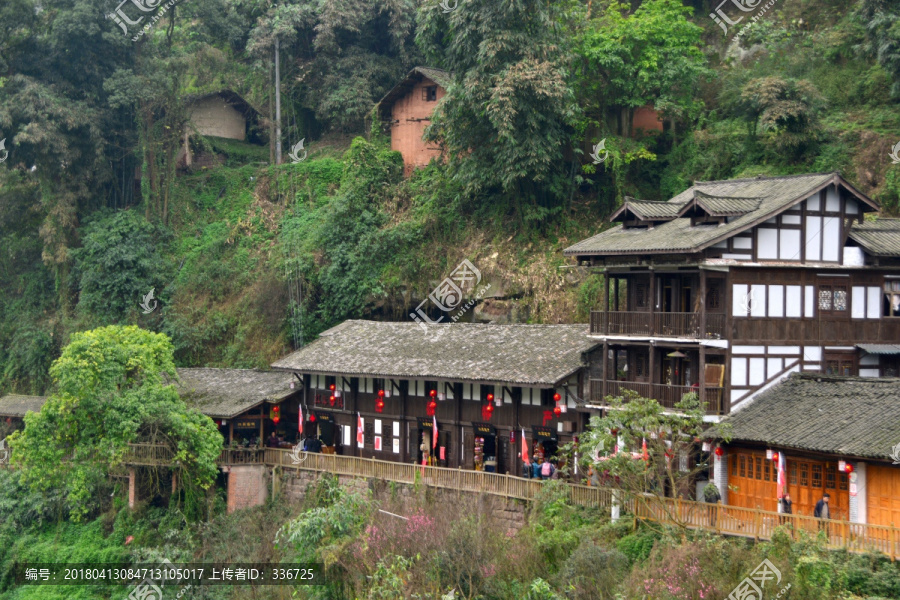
x=666, y=395
x=661, y=324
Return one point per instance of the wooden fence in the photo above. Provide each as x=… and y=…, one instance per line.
x=718, y=518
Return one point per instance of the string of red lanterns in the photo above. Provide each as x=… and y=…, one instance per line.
x=432, y=404
x=379, y=402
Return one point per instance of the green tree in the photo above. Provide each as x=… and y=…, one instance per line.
x=882, y=22
x=650, y=56
x=506, y=118
x=111, y=390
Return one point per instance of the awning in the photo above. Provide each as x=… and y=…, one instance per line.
x=880, y=348
x=543, y=433
x=484, y=428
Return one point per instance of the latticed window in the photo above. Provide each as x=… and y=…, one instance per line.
x=830, y=474
x=743, y=465
x=640, y=296
x=792, y=474
x=840, y=364
x=817, y=476
x=734, y=465
x=759, y=467
x=804, y=474
x=640, y=365
x=833, y=298
x=713, y=298
x=767, y=473
x=842, y=481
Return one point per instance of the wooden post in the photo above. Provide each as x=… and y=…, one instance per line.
x=757, y=523
x=605, y=305
x=652, y=307
x=605, y=373
x=893, y=542
x=703, y=334
x=702, y=372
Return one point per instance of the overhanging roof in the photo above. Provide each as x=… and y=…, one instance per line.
x=231, y=98
x=880, y=349
x=844, y=416
x=14, y=405
x=679, y=236
x=226, y=393
x=521, y=355
x=439, y=76
x=878, y=238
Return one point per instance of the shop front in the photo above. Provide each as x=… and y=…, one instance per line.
x=327, y=432
x=247, y=431
x=429, y=452
x=486, y=451
x=545, y=443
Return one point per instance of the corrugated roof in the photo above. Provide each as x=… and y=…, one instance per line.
x=852, y=416
x=880, y=349
x=534, y=355
x=776, y=194
x=226, y=393
x=14, y=405
x=878, y=238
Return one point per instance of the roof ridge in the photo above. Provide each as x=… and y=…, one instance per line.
x=763, y=178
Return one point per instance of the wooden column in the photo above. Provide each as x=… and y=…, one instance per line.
x=703, y=334
x=616, y=293
x=457, y=396
x=605, y=373
x=605, y=305
x=404, y=441
x=652, y=309
x=654, y=378
x=703, y=374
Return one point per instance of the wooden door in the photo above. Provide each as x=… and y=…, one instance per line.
x=883, y=495
x=808, y=480
x=752, y=483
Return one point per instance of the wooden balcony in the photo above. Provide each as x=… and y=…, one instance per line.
x=661, y=324
x=666, y=395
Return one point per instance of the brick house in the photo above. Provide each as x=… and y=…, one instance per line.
x=222, y=114
x=406, y=111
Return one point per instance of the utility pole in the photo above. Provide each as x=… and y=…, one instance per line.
x=277, y=106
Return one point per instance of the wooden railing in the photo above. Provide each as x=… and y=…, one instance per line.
x=666, y=395
x=658, y=324
x=241, y=456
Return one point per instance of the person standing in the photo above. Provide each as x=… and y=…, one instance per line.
x=786, y=505
x=822, y=511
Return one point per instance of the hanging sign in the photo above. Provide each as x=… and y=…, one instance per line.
x=443, y=453
x=325, y=417
x=483, y=428
x=543, y=433
x=246, y=424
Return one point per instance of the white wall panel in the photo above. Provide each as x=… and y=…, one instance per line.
x=869, y=373
x=832, y=200
x=738, y=371
x=766, y=243
x=851, y=206
x=789, y=350
x=736, y=256
x=809, y=301
x=813, y=239
x=738, y=296
x=773, y=367
x=812, y=203
x=791, y=219
x=758, y=298
x=742, y=243
x=748, y=350
x=832, y=242
x=793, y=301
x=869, y=360
x=757, y=371
x=789, y=246
x=722, y=244
x=858, y=302
x=776, y=301
x=873, y=302
x=812, y=353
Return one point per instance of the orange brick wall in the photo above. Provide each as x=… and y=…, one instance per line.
x=407, y=131
x=647, y=119
x=246, y=487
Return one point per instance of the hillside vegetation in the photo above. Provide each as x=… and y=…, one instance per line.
x=812, y=86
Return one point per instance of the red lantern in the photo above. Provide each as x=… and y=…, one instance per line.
x=557, y=397
x=379, y=405
x=557, y=411
x=432, y=393
x=719, y=451
x=848, y=468
x=276, y=419
x=331, y=400
x=490, y=397
x=331, y=387
x=312, y=418
x=381, y=393
x=775, y=456
x=430, y=408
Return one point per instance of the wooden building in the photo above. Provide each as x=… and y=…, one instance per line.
x=406, y=112
x=13, y=408
x=732, y=285
x=820, y=424
x=482, y=385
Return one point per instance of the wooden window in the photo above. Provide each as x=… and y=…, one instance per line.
x=734, y=465
x=830, y=474
x=792, y=474
x=743, y=465
x=842, y=482
x=767, y=472
x=842, y=364
x=804, y=474
x=833, y=299
x=714, y=298
x=640, y=365
x=892, y=298
x=429, y=93
x=817, y=476
x=758, y=468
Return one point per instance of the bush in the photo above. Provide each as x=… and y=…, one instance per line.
x=592, y=572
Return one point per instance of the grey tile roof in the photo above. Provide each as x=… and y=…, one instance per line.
x=651, y=210
x=678, y=236
x=880, y=348
x=534, y=355
x=720, y=206
x=225, y=393
x=852, y=416
x=878, y=238
x=14, y=405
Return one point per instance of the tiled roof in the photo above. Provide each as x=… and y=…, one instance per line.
x=880, y=348
x=722, y=206
x=775, y=194
x=225, y=393
x=534, y=355
x=852, y=416
x=14, y=405
x=878, y=238
x=650, y=210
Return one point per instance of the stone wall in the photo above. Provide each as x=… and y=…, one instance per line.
x=508, y=512
x=248, y=486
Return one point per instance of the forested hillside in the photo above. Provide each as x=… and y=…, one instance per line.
x=246, y=257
